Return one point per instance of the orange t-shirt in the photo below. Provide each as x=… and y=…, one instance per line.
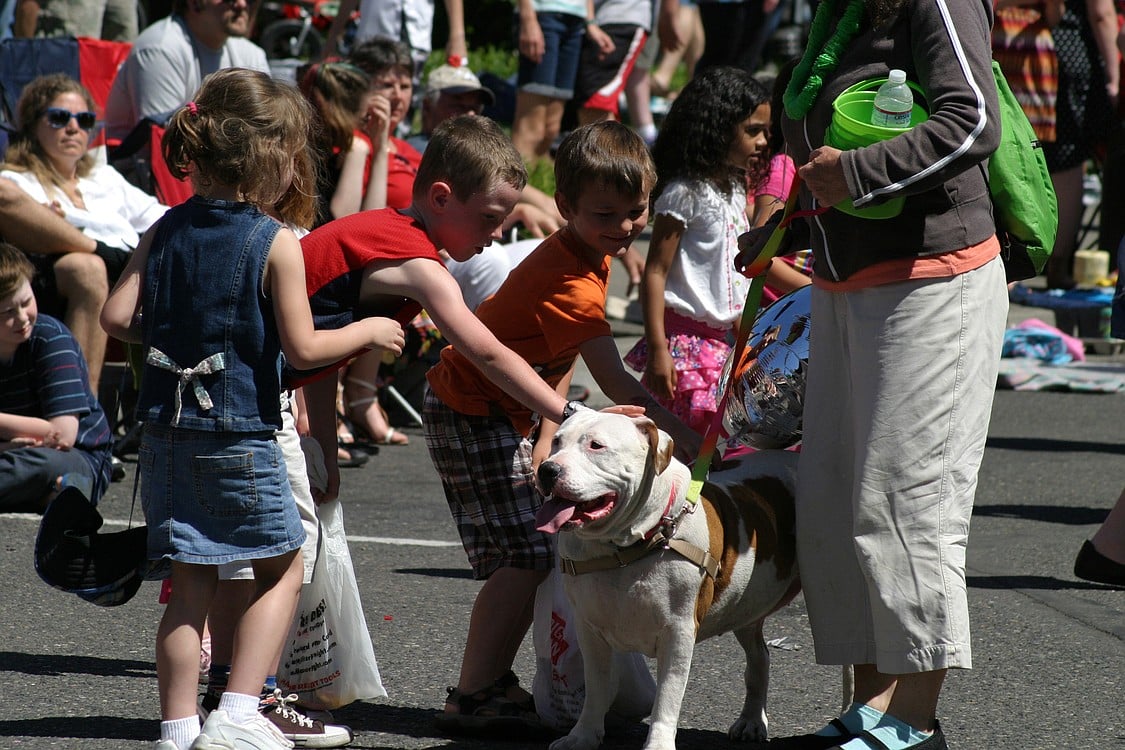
x=551, y=303
x=944, y=265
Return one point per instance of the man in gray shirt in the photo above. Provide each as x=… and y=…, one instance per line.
x=171, y=58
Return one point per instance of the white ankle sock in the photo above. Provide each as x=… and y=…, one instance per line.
x=181, y=731
x=240, y=707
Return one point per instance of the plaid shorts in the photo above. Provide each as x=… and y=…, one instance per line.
x=485, y=469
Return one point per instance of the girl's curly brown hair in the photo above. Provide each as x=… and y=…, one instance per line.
x=695, y=137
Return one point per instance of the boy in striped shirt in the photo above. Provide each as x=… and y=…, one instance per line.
x=52, y=429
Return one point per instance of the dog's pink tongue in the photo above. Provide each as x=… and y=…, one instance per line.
x=553, y=515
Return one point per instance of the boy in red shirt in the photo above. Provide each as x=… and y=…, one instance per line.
x=550, y=309
x=385, y=262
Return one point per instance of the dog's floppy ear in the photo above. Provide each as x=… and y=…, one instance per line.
x=660, y=444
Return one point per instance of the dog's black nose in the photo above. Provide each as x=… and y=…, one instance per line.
x=548, y=474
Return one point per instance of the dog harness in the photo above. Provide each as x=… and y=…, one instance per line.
x=662, y=536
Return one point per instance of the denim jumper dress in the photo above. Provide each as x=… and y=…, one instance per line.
x=213, y=482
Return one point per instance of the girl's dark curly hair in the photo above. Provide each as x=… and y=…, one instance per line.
x=696, y=135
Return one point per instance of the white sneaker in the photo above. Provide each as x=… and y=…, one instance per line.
x=256, y=733
x=166, y=745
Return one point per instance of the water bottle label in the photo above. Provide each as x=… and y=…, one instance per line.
x=888, y=119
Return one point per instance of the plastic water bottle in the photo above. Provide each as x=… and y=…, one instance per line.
x=893, y=102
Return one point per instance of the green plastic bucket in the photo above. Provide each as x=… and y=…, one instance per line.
x=851, y=128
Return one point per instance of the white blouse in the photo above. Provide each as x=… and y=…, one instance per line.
x=702, y=283
x=116, y=213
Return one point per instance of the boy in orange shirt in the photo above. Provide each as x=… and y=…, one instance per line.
x=549, y=310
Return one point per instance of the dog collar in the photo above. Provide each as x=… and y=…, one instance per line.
x=662, y=536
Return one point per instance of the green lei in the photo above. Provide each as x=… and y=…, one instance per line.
x=809, y=73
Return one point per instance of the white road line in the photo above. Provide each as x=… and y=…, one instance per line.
x=359, y=539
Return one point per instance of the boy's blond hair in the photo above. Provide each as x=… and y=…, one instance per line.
x=472, y=154
x=15, y=269
x=251, y=132
x=604, y=153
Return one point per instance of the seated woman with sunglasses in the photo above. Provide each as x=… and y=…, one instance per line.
x=49, y=159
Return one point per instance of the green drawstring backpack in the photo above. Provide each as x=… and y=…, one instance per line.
x=1023, y=198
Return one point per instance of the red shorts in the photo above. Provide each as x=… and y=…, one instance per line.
x=600, y=81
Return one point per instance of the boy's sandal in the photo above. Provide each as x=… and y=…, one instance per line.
x=485, y=712
x=510, y=680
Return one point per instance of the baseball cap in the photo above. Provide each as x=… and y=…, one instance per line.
x=456, y=80
x=72, y=556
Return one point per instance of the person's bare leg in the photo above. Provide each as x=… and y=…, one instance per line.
x=223, y=616
x=361, y=399
x=552, y=124
x=529, y=125
x=910, y=698
x=81, y=279
x=178, y=638
x=499, y=621
x=261, y=631
x=638, y=97
x=1109, y=540
x=1068, y=188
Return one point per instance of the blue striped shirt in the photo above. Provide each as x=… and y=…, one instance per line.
x=47, y=377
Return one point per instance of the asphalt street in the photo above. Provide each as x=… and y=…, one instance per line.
x=1049, y=650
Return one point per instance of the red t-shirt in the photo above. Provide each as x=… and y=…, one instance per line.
x=401, y=170
x=336, y=257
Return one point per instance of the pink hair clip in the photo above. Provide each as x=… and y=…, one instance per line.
x=193, y=108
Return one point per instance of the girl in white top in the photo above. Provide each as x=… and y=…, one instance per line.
x=50, y=161
x=711, y=146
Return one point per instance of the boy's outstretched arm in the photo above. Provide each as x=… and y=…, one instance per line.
x=436, y=290
x=604, y=362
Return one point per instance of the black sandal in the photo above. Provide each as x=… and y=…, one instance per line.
x=510, y=680
x=485, y=712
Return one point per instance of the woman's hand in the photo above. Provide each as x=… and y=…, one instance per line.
x=824, y=176
x=531, y=42
x=538, y=223
x=377, y=119
x=601, y=40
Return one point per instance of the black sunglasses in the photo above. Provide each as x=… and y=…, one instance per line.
x=59, y=118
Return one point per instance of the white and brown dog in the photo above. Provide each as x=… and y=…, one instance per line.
x=650, y=572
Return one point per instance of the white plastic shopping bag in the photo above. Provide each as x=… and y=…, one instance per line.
x=559, y=688
x=328, y=659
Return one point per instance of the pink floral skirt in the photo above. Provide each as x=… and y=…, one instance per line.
x=699, y=353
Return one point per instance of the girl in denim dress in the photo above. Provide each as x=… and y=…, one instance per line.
x=216, y=293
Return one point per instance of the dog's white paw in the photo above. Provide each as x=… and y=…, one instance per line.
x=577, y=740
x=748, y=729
